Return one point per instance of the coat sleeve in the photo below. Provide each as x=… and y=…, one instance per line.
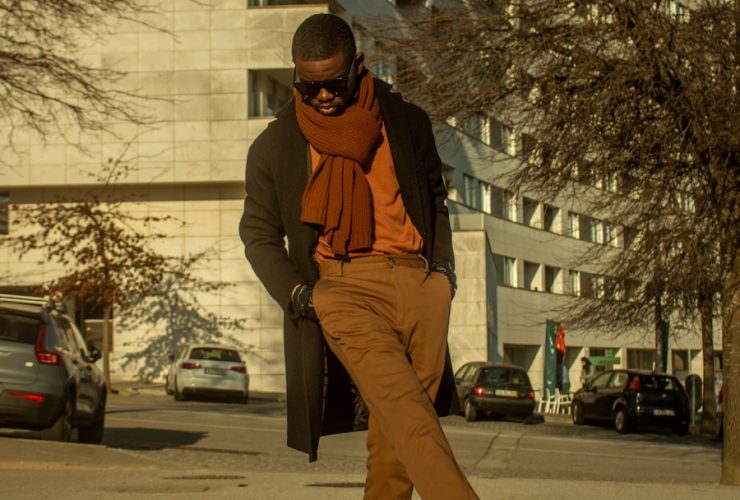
x=262, y=232
x=427, y=151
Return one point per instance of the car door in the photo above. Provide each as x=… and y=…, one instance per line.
x=609, y=394
x=590, y=397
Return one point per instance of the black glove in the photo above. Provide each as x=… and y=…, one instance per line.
x=302, y=300
x=445, y=267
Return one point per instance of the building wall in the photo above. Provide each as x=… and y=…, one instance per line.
x=191, y=165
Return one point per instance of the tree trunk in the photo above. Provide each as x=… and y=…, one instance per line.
x=731, y=378
x=708, y=400
x=106, y=346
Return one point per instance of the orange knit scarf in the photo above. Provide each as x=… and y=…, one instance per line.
x=338, y=197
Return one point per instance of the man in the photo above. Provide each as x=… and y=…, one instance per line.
x=349, y=173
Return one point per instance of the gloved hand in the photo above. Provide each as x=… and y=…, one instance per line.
x=302, y=300
x=446, y=268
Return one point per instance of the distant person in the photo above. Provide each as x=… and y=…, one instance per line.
x=349, y=175
x=587, y=369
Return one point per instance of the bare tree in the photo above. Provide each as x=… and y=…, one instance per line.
x=633, y=94
x=108, y=261
x=45, y=83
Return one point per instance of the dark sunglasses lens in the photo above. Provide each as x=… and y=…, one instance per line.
x=309, y=90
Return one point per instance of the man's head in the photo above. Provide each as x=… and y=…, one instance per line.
x=327, y=65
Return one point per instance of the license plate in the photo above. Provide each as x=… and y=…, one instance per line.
x=506, y=393
x=664, y=413
x=214, y=371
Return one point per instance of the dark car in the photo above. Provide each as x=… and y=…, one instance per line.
x=48, y=378
x=494, y=389
x=630, y=398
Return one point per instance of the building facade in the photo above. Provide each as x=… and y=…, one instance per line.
x=223, y=70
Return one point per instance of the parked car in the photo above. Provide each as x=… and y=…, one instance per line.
x=630, y=398
x=48, y=377
x=208, y=370
x=494, y=389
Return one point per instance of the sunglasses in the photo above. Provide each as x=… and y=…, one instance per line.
x=337, y=86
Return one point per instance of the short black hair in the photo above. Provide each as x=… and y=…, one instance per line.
x=322, y=36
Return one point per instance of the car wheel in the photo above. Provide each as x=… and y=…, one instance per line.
x=93, y=433
x=577, y=413
x=471, y=414
x=622, y=422
x=179, y=395
x=61, y=430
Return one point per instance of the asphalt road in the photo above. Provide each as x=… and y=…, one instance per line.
x=154, y=447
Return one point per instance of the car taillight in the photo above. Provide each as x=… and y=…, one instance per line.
x=635, y=385
x=42, y=354
x=530, y=395
x=478, y=390
x=238, y=369
x=34, y=398
x=190, y=366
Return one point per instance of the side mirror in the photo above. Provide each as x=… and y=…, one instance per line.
x=95, y=353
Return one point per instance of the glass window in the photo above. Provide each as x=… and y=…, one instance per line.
x=269, y=90
x=575, y=282
x=573, y=224
x=640, y=359
x=500, y=136
x=215, y=354
x=601, y=380
x=618, y=379
x=18, y=328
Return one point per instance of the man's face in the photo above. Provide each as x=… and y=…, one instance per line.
x=330, y=84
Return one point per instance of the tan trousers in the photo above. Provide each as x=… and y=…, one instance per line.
x=386, y=319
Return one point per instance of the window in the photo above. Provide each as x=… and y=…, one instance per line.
x=610, y=235
x=573, y=225
x=520, y=355
x=530, y=209
x=551, y=222
x=4, y=204
x=477, y=126
x=269, y=90
x=640, y=359
x=505, y=270
x=575, y=282
x=500, y=136
x=532, y=277
x=552, y=280
x=528, y=146
x=597, y=286
x=471, y=192
x=597, y=231
x=504, y=204
x=486, y=195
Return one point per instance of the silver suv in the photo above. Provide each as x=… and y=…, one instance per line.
x=48, y=378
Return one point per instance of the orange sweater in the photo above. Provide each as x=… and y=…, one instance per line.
x=395, y=234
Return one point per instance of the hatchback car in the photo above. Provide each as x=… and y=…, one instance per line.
x=48, y=378
x=208, y=370
x=629, y=398
x=494, y=389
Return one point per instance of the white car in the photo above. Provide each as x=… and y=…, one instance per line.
x=208, y=370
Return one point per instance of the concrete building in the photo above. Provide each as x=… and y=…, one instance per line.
x=222, y=73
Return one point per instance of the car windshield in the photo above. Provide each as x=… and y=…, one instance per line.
x=18, y=328
x=215, y=354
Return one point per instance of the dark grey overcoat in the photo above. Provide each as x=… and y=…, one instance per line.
x=319, y=393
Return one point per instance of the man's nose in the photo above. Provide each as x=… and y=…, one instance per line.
x=324, y=95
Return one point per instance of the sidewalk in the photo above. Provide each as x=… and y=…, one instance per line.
x=34, y=469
